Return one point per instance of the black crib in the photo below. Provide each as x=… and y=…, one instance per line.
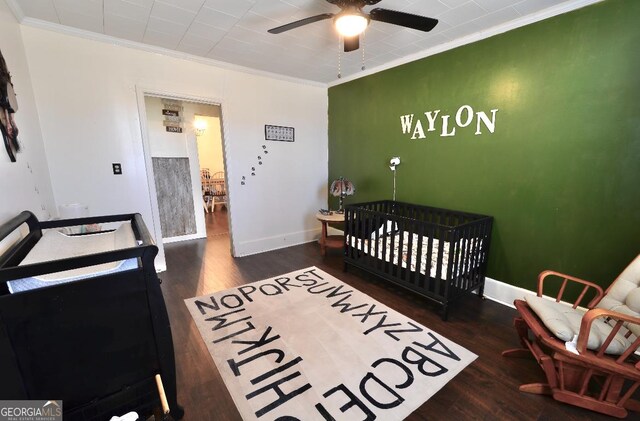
x=94, y=343
x=439, y=253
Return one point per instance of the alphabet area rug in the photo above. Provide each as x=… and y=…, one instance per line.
x=306, y=346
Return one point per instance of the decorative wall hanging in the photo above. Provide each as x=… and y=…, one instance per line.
x=279, y=133
x=464, y=117
x=8, y=107
x=171, y=110
x=253, y=168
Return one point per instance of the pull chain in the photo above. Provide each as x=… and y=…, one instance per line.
x=339, y=57
x=362, y=42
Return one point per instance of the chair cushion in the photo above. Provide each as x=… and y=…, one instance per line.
x=628, y=280
x=609, y=303
x=624, y=294
x=564, y=322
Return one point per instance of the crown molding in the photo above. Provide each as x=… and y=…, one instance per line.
x=16, y=10
x=469, y=39
x=107, y=39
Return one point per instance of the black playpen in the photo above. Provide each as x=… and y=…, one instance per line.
x=438, y=253
x=97, y=343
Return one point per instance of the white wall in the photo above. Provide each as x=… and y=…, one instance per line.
x=24, y=185
x=86, y=94
x=163, y=144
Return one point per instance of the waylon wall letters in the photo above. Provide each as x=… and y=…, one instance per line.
x=465, y=115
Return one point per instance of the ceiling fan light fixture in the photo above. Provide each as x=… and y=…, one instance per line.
x=351, y=23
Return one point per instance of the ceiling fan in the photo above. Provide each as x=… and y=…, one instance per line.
x=351, y=21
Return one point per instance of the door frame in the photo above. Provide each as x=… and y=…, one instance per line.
x=141, y=92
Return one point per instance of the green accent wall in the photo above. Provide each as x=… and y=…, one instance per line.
x=561, y=173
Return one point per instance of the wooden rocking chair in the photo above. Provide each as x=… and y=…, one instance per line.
x=605, y=372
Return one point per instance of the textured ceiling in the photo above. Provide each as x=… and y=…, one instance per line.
x=235, y=31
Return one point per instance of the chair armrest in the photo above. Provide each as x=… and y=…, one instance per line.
x=566, y=279
x=620, y=318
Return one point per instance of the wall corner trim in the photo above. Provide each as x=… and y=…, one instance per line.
x=16, y=10
x=108, y=39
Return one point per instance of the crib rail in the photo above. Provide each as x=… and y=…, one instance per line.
x=439, y=253
x=9, y=261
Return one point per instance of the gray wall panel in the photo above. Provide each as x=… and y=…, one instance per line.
x=175, y=196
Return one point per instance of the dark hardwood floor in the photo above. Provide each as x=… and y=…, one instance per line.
x=486, y=390
x=217, y=221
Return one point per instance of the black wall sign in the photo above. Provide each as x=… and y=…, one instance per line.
x=279, y=133
x=174, y=129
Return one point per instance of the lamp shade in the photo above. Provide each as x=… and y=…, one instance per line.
x=341, y=188
x=351, y=24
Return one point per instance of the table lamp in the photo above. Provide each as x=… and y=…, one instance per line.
x=341, y=188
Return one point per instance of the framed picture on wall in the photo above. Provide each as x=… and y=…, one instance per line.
x=8, y=107
x=279, y=133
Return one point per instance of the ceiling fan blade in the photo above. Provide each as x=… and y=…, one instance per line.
x=300, y=22
x=408, y=20
x=351, y=43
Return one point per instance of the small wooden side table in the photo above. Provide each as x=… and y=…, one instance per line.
x=331, y=241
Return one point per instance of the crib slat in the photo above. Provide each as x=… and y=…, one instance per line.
x=449, y=241
x=429, y=279
x=418, y=278
x=465, y=261
x=377, y=220
x=441, y=240
x=348, y=232
x=471, y=269
x=387, y=232
x=400, y=253
x=456, y=256
x=410, y=259
x=370, y=256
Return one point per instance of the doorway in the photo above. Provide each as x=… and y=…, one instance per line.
x=212, y=176
x=175, y=156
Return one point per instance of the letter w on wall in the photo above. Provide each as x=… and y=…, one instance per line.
x=406, y=121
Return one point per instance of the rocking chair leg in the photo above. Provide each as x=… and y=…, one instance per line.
x=523, y=335
x=516, y=353
x=590, y=403
x=536, y=388
x=632, y=405
x=613, y=394
x=522, y=329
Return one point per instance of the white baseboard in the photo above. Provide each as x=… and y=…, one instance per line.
x=187, y=237
x=503, y=293
x=334, y=231
x=261, y=245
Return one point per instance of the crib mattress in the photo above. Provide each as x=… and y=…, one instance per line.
x=55, y=245
x=385, y=243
